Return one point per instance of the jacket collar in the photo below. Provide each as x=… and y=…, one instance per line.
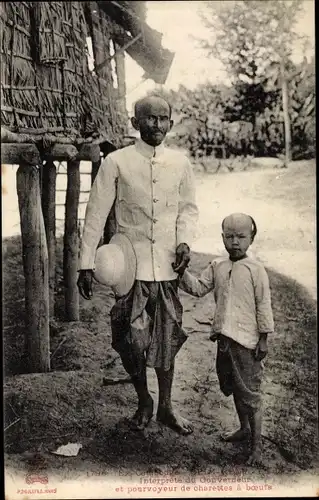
x=147, y=150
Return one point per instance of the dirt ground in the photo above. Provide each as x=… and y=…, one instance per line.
x=76, y=403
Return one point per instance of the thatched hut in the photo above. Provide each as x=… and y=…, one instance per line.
x=55, y=107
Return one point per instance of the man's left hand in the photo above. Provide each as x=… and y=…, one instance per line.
x=182, y=258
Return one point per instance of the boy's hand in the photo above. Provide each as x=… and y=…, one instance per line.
x=261, y=348
x=182, y=258
x=85, y=283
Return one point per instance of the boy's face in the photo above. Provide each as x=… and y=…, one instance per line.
x=153, y=121
x=237, y=235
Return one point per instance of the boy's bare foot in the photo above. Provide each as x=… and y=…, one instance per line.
x=240, y=435
x=174, y=421
x=254, y=458
x=142, y=416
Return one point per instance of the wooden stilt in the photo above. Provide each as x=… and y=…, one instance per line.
x=95, y=169
x=71, y=242
x=48, y=208
x=35, y=263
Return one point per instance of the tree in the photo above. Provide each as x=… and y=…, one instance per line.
x=200, y=117
x=251, y=37
x=302, y=104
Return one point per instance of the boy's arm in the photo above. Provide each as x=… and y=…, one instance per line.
x=102, y=196
x=265, y=319
x=187, y=209
x=198, y=287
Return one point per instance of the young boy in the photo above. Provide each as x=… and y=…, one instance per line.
x=243, y=319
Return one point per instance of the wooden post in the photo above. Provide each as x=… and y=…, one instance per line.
x=71, y=242
x=35, y=263
x=95, y=168
x=285, y=109
x=119, y=57
x=48, y=209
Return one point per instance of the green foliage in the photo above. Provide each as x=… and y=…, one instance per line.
x=254, y=40
x=249, y=35
x=302, y=100
x=245, y=118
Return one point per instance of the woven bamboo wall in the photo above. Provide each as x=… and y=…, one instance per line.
x=46, y=85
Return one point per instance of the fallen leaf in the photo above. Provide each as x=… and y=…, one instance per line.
x=68, y=450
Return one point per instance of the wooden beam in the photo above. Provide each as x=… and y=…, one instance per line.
x=35, y=263
x=71, y=242
x=48, y=208
x=89, y=152
x=61, y=152
x=122, y=49
x=18, y=154
x=146, y=51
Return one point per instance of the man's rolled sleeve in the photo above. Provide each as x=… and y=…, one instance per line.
x=187, y=219
x=198, y=287
x=100, y=202
x=265, y=319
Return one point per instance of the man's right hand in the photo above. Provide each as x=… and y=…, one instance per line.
x=85, y=283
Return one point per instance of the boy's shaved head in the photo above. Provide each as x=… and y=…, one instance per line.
x=240, y=221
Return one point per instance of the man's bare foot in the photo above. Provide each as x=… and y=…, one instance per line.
x=254, y=458
x=174, y=421
x=142, y=416
x=240, y=435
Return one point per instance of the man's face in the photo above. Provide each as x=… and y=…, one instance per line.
x=153, y=121
x=237, y=236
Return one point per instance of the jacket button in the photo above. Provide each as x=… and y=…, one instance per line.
x=153, y=241
x=154, y=181
x=154, y=220
x=155, y=200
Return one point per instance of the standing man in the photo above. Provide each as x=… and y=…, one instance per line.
x=154, y=192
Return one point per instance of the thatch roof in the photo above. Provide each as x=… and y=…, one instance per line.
x=47, y=89
x=147, y=50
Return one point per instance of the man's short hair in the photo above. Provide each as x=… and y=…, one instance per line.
x=140, y=103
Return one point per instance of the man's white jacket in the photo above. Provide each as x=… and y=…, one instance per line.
x=155, y=206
